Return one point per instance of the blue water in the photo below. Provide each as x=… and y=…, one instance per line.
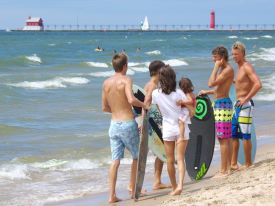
x=53, y=135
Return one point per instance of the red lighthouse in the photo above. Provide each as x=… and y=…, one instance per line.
x=34, y=24
x=212, y=20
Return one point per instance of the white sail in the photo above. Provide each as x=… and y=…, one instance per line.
x=145, y=25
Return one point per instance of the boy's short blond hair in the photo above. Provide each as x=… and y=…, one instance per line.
x=240, y=46
x=119, y=60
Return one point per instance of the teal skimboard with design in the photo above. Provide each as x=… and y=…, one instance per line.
x=200, y=148
x=241, y=157
x=155, y=142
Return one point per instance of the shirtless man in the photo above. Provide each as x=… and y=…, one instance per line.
x=118, y=99
x=247, y=84
x=154, y=68
x=222, y=77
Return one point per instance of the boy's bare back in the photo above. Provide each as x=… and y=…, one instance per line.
x=115, y=91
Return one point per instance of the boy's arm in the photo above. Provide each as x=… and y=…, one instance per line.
x=130, y=96
x=105, y=105
x=148, y=96
x=203, y=92
x=215, y=80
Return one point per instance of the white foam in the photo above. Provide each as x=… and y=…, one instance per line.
x=73, y=80
x=133, y=64
x=52, y=44
x=251, y=38
x=82, y=164
x=265, y=97
x=34, y=58
x=102, y=74
x=130, y=72
x=109, y=73
x=266, y=54
x=159, y=40
x=97, y=64
x=155, y=52
x=232, y=37
x=140, y=69
x=59, y=82
x=49, y=164
x=14, y=172
x=176, y=62
x=267, y=36
x=268, y=91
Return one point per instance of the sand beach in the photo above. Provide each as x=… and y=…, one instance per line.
x=253, y=186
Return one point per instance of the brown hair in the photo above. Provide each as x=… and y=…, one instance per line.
x=155, y=66
x=221, y=51
x=240, y=46
x=186, y=85
x=167, y=79
x=118, y=61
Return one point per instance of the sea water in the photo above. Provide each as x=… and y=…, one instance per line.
x=54, y=141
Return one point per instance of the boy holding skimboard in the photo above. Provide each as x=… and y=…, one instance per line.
x=118, y=99
x=154, y=68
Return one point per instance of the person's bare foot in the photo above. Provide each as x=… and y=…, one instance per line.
x=175, y=192
x=161, y=186
x=220, y=175
x=142, y=191
x=244, y=167
x=234, y=167
x=114, y=199
x=142, y=194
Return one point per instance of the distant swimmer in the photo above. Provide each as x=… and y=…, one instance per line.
x=138, y=49
x=98, y=49
x=114, y=51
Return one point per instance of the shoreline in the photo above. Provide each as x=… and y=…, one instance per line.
x=265, y=146
x=265, y=130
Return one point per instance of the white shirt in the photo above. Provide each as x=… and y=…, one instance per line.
x=169, y=110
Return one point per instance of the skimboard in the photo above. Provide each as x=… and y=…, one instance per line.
x=200, y=148
x=155, y=141
x=143, y=145
x=142, y=157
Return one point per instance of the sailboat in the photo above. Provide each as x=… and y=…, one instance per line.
x=145, y=25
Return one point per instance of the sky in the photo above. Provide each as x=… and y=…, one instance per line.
x=13, y=13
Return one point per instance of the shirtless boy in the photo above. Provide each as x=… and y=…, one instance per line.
x=118, y=99
x=222, y=77
x=247, y=84
x=154, y=68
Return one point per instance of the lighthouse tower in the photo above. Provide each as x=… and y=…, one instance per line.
x=212, y=20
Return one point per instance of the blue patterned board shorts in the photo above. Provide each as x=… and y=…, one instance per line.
x=242, y=121
x=124, y=134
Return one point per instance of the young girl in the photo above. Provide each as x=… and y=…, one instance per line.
x=188, y=104
x=166, y=98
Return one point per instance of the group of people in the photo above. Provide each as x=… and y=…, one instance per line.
x=177, y=106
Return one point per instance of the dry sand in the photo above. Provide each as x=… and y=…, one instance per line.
x=254, y=186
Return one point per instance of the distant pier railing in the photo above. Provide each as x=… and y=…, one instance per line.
x=157, y=27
